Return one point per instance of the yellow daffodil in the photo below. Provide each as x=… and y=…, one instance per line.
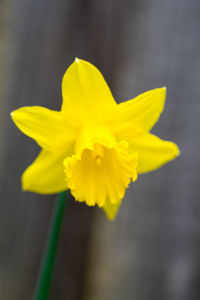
x=93, y=146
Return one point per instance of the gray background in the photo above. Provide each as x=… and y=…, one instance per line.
x=152, y=250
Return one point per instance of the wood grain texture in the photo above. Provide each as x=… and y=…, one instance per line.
x=152, y=249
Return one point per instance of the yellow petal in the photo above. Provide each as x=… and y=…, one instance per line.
x=45, y=175
x=144, y=110
x=153, y=152
x=111, y=209
x=85, y=91
x=45, y=126
x=100, y=174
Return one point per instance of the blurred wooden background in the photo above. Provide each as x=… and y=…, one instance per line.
x=152, y=250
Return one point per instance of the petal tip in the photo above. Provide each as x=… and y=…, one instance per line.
x=23, y=189
x=110, y=218
x=25, y=186
x=177, y=151
x=110, y=215
x=163, y=90
x=12, y=114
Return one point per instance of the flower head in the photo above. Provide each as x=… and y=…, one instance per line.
x=93, y=146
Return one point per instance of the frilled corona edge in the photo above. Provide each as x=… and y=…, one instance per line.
x=93, y=146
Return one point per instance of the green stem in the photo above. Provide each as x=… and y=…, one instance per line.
x=46, y=270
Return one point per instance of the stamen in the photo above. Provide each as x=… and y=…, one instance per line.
x=98, y=160
x=98, y=153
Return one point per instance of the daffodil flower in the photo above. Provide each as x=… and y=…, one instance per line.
x=93, y=146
